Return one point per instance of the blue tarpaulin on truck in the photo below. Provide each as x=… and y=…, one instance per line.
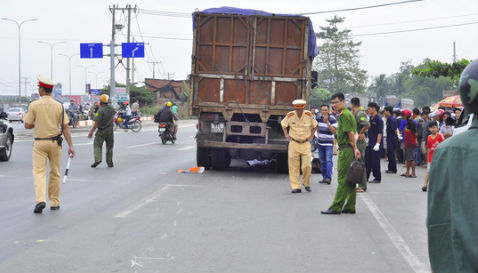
x=312, y=46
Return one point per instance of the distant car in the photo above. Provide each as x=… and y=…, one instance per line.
x=16, y=114
x=6, y=137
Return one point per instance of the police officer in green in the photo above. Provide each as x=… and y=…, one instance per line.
x=452, y=219
x=103, y=120
x=348, y=151
x=362, y=125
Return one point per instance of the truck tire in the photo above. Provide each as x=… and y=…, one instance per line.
x=220, y=159
x=282, y=163
x=6, y=152
x=202, y=157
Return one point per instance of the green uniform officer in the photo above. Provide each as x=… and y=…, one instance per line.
x=103, y=120
x=362, y=125
x=452, y=219
x=347, y=128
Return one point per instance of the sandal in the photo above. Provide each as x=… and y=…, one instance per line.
x=411, y=176
x=360, y=190
x=403, y=174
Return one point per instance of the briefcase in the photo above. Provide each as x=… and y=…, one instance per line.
x=356, y=171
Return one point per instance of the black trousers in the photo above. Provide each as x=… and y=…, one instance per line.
x=391, y=149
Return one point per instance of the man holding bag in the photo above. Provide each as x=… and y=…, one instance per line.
x=348, y=151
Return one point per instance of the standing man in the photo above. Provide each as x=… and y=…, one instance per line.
x=452, y=219
x=392, y=139
x=302, y=127
x=372, y=152
x=135, y=108
x=425, y=133
x=327, y=128
x=346, y=131
x=363, y=124
x=104, y=122
x=45, y=116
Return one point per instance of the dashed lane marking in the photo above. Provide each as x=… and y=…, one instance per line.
x=142, y=145
x=190, y=147
x=142, y=203
x=395, y=237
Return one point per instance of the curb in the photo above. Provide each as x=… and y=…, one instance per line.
x=89, y=123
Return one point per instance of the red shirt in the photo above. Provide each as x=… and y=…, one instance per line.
x=432, y=144
x=409, y=139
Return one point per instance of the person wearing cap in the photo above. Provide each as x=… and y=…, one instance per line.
x=103, y=121
x=45, y=116
x=452, y=215
x=345, y=197
x=299, y=128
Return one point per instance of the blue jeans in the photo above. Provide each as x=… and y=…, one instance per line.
x=418, y=155
x=325, y=156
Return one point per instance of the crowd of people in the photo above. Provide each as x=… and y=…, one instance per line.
x=400, y=136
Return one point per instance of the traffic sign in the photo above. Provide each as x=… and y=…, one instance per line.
x=91, y=51
x=132, y=50
x=95, y=91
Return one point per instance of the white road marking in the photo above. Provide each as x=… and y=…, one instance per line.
x=179, y=211
x=83, y=144
x=181, y=186
x=142, y=145
x=142, y=203
x=190, y=147
x=175, y=223
x=395, y=237
x=164, y=236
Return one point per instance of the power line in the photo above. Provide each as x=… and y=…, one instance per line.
x=166, y=13
x=359, y=8
x=416, y=21
x=416, y=29
x=168, y=38
x=142, y=38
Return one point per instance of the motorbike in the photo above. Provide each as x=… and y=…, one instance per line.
x=134, y=123
x=165, y=133
x=71, y=118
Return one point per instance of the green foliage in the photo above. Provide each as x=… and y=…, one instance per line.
x=435, y=69
x=318, y=97
x=142, y=94
x=338, y=61
x=425, y=91
x=381, y=86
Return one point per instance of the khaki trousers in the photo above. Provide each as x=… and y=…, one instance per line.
x=43, y=150
x=298, y=151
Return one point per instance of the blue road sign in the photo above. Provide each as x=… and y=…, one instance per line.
x=91, y=51
x=95, y=91
x=132, y=50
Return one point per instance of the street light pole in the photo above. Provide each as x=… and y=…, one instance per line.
x=96, y=75
x=69, y=68
x=51, y=54
x=86, y=73
x=19, y=25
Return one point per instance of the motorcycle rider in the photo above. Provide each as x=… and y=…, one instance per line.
x=166, y=115
x=126, y=111
x=73, y=108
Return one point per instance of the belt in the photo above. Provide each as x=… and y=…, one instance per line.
x=299, y=141
x=345, y=146
x=48, y=138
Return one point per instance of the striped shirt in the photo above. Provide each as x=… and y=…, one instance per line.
x=326, y=137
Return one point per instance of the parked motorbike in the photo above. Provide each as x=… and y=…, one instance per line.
x=71, y=118
x=165, y=133
x=134, y=123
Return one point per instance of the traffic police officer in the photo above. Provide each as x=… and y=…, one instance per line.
x=362, y=125
x=346, y=131
x=103, y=120
x=372, y=152
x=452, y=219
x=45, y=116
x=302, y=126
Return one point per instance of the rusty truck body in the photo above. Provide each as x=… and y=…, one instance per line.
x=247, y=68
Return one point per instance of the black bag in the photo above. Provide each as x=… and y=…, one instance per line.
x=316, y=166
x=356, y=171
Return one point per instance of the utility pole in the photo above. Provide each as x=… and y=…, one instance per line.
x=154, y=66
x=128, y=7
x=132, y=69
x=112, y=54
x=25, y=83
x=454, y=52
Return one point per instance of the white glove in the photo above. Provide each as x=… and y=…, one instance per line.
x=376, y=147
x=399, y=137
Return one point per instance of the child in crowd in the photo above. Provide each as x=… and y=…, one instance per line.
x=447, y=128
x=433, y=140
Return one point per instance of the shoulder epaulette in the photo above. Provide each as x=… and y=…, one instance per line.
x=290, y=114
x=308, y=113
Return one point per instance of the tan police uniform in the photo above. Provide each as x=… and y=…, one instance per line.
x=46, y=116
x=299, y=130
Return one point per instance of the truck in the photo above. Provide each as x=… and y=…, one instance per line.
x=247, y=68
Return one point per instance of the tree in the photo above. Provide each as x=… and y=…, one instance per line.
x=318, y=97
x=435, y=69
x=380, y=87
x=142, y=94
x=338, y=60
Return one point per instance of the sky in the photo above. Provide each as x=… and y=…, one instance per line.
x=89, y=21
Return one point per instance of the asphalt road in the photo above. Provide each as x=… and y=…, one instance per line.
x=142, y=216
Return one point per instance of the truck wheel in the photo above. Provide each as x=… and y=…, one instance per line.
x=282, y=163
x=6, y=152
x=220, y=159
x=202, y=157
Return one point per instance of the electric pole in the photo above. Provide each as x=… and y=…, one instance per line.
x=454, y=52
x=154, y=66
x=128, y=7
x=26, y=81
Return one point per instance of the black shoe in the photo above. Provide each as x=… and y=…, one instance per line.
x=95, y=164
x=388, y=171
x=39, y=207
x=296, y=191
x=325, y=181
x=308, y=189
x=110, y=165
x=330, y=211
x=55, y=208
x=375, y=181
x=349, y=211
x=424, y=188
